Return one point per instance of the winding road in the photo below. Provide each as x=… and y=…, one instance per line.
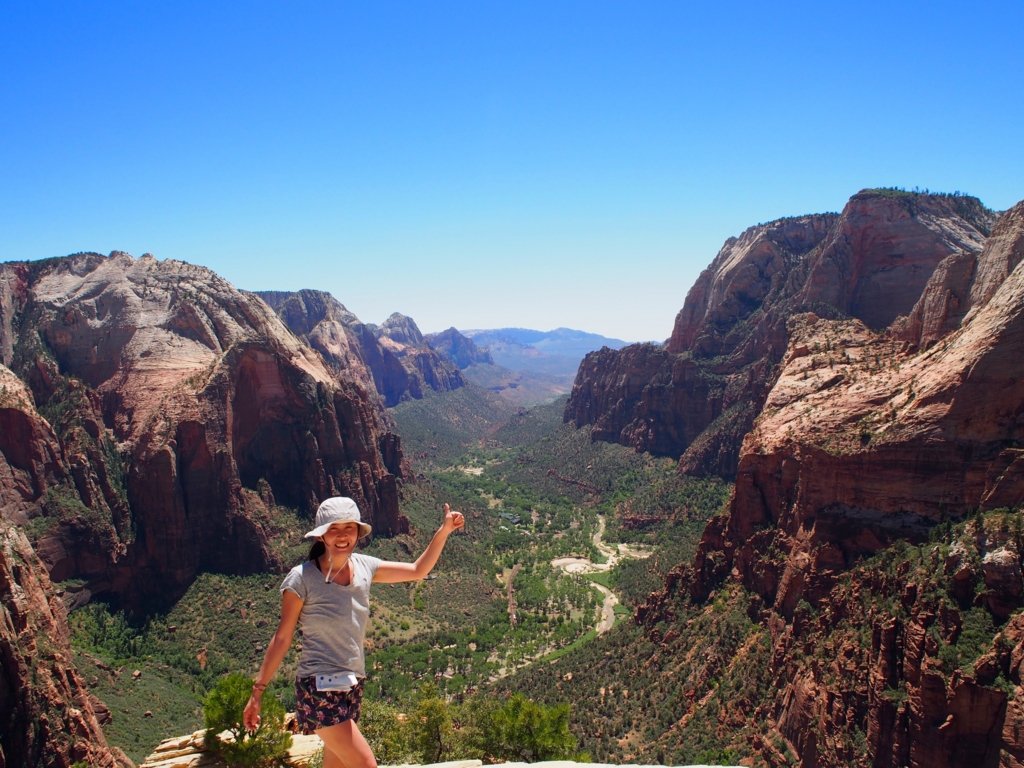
x=584, y=565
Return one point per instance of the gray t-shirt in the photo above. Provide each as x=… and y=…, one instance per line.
x=333, y=617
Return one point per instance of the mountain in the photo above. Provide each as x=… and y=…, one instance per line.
x=392, y=359
x=45, y=705
x=520, y=385
x=698, y=396
x=555, y=353
x=458, y=349
x=868, y=440
x=561, y=341
x=152, y=416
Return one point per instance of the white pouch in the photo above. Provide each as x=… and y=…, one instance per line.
x=343, y=682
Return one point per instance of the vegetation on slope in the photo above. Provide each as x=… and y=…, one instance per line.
x=452, y=631
x=700, y=682
x=439, y=428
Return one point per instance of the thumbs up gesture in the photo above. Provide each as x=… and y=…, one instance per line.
x=453, y=521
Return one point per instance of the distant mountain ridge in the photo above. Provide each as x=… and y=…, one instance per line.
x=556, y=353
x=458, y=349
x=517, y=384
x=561, y=341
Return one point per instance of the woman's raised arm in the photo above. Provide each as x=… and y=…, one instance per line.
x=390, y=572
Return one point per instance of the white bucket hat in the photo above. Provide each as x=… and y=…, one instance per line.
x=338, y=509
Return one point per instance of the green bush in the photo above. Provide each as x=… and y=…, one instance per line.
x=433, y=733
x=387, y=735
x=523, y=730
x=222, y=711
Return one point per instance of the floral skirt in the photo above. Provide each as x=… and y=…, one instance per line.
x=321, y=709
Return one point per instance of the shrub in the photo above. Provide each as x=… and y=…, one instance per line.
x=522, y=730
x=222, y=711
x=387, y=735
x=433, y=734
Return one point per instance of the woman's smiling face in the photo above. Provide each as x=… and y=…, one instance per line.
x=341, y=538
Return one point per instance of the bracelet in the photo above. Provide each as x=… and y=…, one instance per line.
x=258, y=686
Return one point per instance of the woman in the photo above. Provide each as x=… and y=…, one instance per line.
x=329, y=593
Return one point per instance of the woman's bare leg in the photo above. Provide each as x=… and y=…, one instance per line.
x=345, y=747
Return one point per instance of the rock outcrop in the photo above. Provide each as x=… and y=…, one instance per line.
x=176, y=409
x=402, y=338
x=869, y=438
x=392, y=359
x=698, y=397
x=150, y=418
x=187, y=752
x=190, y=751
x=49, y=717
x=458, y=349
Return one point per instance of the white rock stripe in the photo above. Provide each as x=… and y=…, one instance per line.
x=187, y=752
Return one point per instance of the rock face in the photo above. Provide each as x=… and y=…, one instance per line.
x=699, y=396
x=176, y=408
x=392, y=359
x=867, y=438
x=876, y=260
x=150, y=416
x=49, y=716
x=458, y=349
x=863, y=422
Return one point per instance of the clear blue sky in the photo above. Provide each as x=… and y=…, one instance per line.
x=485, y=164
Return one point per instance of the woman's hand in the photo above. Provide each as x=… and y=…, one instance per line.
x=453, y=521
x=251, y=713
x=389, y=572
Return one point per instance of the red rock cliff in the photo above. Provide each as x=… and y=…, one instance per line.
x=699, y=397
x=49, y=716
x=866, y=439
x=172, y=398
x=393, y=359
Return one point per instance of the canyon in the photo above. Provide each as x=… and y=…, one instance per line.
x=698, y=396
x=859, y=374
x=152, y=416
x=879, y=429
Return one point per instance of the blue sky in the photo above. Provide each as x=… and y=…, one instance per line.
x=487, y=164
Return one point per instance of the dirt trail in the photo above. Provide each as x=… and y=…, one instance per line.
x=584, y=565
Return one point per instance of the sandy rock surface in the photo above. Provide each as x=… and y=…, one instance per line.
x=186, y=752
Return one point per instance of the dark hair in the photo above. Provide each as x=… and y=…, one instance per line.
x=317, y=549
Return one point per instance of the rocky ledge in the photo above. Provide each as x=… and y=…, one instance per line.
x=187, y=752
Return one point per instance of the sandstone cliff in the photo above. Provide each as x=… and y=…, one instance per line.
x=49, y=717
x=177, y=411
x=867, y=439
x=157, y=417
x=392, y=359
x=698, y=397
